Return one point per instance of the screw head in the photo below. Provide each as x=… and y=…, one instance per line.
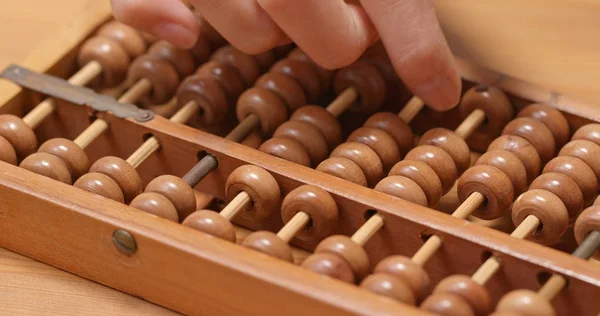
x=124, y=242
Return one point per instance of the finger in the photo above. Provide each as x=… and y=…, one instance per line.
x=417, y=48
x=170, y=20
x=333, y=33
x=243, y=23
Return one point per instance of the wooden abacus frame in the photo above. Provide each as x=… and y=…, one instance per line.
x=189, y=272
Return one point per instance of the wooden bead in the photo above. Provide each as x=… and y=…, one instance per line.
x=552, y=118
x=285, y=86
x=577, y=170
x=381, y=142
x=267, y=105
x=509, y=164
x=265, y=60
x=7, y=152
x=148, y=38
x=521, y=148
x=396, y=127
x=505, y=313
x=343, y=168
x=331, y=265
x=586, y=151
x=247, y=65
x=131, y=40
x=447, y=304
x=302, y=72
x=536, y=133
x=110, y=54
x=403, y=188
x=494, y=184
x=72, y=155
x=548, y=208
x=321, y=119
x=268, y=243
x=211, y=223
x=122, y=172
x=227, y=76
x=389, y=286
x=201, y=50
x=318, y=204
x=325, y=75
x=100, y=184
x=587, y=222
x=161, y=74
x=364, y=157
x=564, y=187
x=177, y=191
x=526, y=303
x=473, y=293
x=208, y=94
x=439, y=160
x=492, y=101
x=254, y=140
x=49, y=166
x=403, y=268
x=157, y=205
x=451, y=143
x=286, y=149
x=423, y=175
x=19, y=134
x=353, y=253
x=260, y=185
x=308, y=136
x=367, y=81
x=589, y=132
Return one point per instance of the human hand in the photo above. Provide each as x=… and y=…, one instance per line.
x=333, y=33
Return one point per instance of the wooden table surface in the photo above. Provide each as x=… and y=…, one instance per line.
x=29, y=287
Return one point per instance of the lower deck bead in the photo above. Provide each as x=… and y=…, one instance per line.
x=19, y=134
x=304, y=73
x=389, y=286
x=286, y=149
x=211, y=223
x=208, y=94
x=308, y=136
x=451, y=143
x=346, y=248
x=364, y=157
x=226, y=75
x=318, y=204
x=473, y=293
x=586, y=151
x=177, y=191
x=381, y=142
x=7, y=152
x=403, y=188
x=156, y=204
x=447, y=304
x=181, y=59
x=526, y=303
x=260, y=185
x=589, y=132
x=321, y=119
x=366, y=80
x=266, y=105
x=286, y=87
x=521, y=148
x=423, y=175
x=564, y=187
x=74, y=157
x=270, y=244
x=396, y=127
x=440, y=161
x=100, y=184
x=548, y=208
x=493, y=184
x=404, y=268
x=343, y=168
x=48, y=165
x=161, y=74
x=247, y=65
x=509, y=164
x=552, y=118
x=122, y=172
x=536, y=133
x=579, y=171
x=110, y=54
x=331, y=265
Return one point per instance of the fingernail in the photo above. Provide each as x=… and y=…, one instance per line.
x=176, y=34
x=440, y=93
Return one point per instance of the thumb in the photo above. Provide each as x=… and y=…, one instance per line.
x=170, y=20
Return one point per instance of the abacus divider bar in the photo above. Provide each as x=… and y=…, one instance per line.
x=136, y=92
x=491, y=265
x=81, y=78
x=368, y=229
x=200, y=170
x=295, y=225
x=342, y=102
x=239, y=202
x=151, y=145
x=411, y=109
x=557, y=282
x=244, y=128
x=470, y=124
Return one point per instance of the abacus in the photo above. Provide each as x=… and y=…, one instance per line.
x=213, y=182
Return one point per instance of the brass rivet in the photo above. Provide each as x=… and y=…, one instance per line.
x=124, y=242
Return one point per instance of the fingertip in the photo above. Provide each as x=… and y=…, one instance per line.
x=441, y=92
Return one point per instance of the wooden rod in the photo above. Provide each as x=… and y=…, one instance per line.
x=200, y=170
x=491, y=265
x=151, y=145
x=342, y=102
x=469, y=206
x=239, y=203
x=84, y=76
x=91, y=132
x=295, y=225
x=368, y=229
x=242, y=130
x=140, y=89
x=552, y=287
x=411, y=109
x=427, y=250
x=470, y=124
